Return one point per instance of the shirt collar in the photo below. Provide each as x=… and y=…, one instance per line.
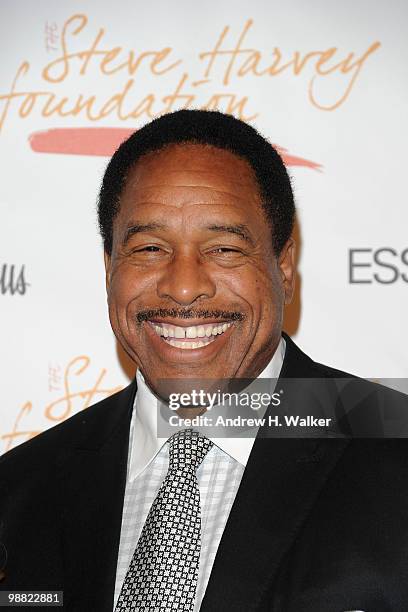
x=144, y=443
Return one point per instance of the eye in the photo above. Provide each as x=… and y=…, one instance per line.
x=225, y=250
x=151, y=248
x=226, y=256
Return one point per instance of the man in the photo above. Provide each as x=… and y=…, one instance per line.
x=196, y=214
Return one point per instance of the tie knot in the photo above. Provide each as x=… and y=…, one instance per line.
x=187, y=449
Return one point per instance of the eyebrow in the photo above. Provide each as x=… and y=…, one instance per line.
x=137, y=228
x=238, y=230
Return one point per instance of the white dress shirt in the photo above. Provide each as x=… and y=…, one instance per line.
x=219, y=477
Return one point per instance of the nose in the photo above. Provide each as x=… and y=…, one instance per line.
x=185, y=280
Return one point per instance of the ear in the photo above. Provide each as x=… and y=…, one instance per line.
x=108, y=262
x=287, y=268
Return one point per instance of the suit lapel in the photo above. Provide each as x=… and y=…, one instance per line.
x=281, y=482
x=282, y=479
x=92, y=479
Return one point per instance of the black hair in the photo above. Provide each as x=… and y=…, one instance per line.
x=207, y=128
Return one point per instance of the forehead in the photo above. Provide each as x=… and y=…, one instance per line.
x=182, y=175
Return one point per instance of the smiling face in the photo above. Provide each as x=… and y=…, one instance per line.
x=194, y=287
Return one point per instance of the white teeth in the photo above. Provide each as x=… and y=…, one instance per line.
x=207, y=332
x=191, y=332
x=179, y=332
x=200, y=332
x=189, y=345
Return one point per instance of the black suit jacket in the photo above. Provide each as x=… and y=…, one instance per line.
x=317, y=524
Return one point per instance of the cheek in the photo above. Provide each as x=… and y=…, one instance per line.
x=126, y=286
x=259, y=288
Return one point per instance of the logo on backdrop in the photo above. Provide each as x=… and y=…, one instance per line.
x=71, y=388
x=13, y=279
x=207, y=79
x=384, y=265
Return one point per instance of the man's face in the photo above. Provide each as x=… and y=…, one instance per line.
x=194, y=288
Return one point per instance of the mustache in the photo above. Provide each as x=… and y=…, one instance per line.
x=190, y=313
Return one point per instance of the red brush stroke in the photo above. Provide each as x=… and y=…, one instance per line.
x=79, y=141
x=104, y=141
x=293, y=160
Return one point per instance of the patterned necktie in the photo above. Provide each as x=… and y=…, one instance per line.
x=163, y=572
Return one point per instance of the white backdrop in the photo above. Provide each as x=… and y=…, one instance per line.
x=325, y=81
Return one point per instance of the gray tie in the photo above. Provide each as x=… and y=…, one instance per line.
x=163, y=572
